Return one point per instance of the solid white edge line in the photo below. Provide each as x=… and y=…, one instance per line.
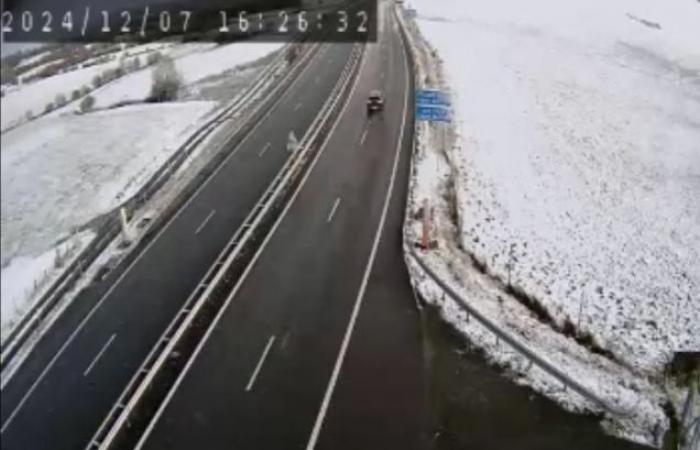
x=146, y=434
x=251, y=382
x=313, y=439
x=206, y=220
x=94, y=309
x=332, y=213
x=99, y=355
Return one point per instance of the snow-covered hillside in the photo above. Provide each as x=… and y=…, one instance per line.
x=578, y=162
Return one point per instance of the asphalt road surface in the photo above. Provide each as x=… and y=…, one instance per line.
x=63, y=391
x=319, y=346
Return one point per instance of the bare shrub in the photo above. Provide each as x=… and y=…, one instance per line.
x=87, y=104
x=97, y=81
x=60, y=100
x=166, y=81
x=153, y=58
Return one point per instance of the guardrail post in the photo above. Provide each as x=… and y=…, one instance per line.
x=126, y=231
x=292, y=142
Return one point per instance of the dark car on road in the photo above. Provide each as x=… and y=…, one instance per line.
x=375, y=102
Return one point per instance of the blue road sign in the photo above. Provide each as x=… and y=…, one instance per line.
x=432, y=105
x=431, y=97
x=432, y=113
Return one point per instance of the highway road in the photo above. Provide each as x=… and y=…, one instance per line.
x=319, y=344
x=61, y=394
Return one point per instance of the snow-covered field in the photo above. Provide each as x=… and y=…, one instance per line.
x=194, y=61
x=33, y=96
x=63, y=170
x=60, y=172
x=577, y=165
x=208, y=60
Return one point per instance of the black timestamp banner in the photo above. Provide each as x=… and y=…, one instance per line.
x=189, y=20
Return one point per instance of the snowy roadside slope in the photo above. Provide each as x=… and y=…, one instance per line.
x=59, y=173
x=193, y=66
x=580, y=143
x=26, y=277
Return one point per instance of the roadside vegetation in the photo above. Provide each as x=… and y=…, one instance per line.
x=15, y=73
x=165, y=81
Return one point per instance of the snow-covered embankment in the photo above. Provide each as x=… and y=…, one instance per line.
x=572, y=174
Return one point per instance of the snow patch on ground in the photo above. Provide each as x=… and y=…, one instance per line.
x=34, y=97
x=25, y=276
x=59, y=173
x=24, y=62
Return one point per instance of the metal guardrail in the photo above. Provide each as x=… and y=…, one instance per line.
x=109, y=228
x=158, y=372
x=521, y=348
